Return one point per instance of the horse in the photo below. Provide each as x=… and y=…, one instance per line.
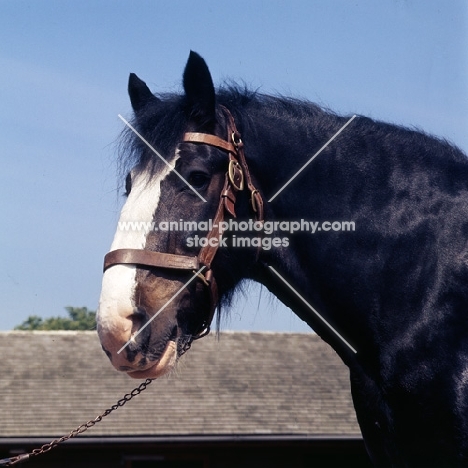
x=226, y=185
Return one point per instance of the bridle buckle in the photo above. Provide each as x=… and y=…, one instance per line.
x=236, y=176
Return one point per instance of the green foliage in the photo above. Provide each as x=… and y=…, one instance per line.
x=80, y=318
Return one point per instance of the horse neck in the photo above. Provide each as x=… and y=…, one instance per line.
x=281, y=145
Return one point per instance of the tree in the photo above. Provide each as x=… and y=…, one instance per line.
x=80, y=318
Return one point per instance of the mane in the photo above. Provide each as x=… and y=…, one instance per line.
x=243, y=102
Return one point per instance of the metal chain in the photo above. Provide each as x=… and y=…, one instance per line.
x=79, y=430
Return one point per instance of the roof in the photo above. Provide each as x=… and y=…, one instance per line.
x=239, y=383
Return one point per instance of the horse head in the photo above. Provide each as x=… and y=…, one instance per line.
x=162, y=278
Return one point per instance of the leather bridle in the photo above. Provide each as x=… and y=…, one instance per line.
x=237, y=178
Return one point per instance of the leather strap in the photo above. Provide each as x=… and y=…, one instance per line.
x=227, y=198
x=234, y=181
x=256, y=199
x=150, y=258
x=207, y=139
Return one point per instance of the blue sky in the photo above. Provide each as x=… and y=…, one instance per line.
x=65, y=66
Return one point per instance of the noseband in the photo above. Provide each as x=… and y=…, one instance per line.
x=237, y=177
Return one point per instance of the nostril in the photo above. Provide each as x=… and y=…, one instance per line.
x=139, y=318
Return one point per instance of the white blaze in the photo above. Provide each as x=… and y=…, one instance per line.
x=119, y=282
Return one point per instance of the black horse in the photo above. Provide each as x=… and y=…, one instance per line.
x=367, y=244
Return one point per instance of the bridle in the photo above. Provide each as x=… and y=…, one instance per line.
x=237, y=178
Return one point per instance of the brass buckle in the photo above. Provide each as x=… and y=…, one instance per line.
x=236, y=139
x=234, y=167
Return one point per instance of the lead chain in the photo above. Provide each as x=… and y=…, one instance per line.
x=79, y=430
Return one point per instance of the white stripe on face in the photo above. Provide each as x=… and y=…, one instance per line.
x=116, y=303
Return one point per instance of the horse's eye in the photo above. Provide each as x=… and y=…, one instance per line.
x=128, y=184
x=198, y=180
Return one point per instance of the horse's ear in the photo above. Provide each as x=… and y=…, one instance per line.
x=199, y=90
x=139, y=93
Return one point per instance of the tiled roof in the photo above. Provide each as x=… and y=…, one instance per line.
x=241, y=383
